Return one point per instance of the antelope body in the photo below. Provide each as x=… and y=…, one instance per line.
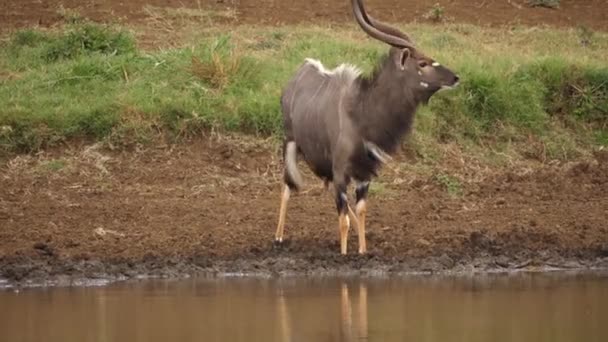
x=344, y=124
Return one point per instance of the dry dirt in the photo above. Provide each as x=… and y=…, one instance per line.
x=211, y=206
x=589, y=13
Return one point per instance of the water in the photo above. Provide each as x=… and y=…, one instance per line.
x=526, y=307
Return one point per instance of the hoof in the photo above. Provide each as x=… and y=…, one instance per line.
x=280, y=244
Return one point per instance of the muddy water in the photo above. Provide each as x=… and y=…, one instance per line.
x=540, y=307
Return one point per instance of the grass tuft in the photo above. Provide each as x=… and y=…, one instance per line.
x=218, y=65
x=553, y=4
x=450, y=184
x=89, y=38
x=69, y=15
x=436, y=14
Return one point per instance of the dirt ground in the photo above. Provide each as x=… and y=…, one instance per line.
x=589, y=13
x=211, y=206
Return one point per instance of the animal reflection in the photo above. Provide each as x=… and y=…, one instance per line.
x=353, y=316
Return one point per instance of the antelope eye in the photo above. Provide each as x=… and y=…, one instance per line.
x=423, y=64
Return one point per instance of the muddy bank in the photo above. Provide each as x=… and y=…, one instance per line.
x=210, y=206
x=27, y=272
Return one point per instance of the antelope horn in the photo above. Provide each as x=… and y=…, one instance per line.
x=382, y=26
x=392, y=36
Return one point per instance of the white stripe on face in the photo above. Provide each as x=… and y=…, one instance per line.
x=435, y=64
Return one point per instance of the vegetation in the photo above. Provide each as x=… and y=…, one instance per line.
x=541, y=86
x=544, y=3
x=435, y=14
x=450, y=184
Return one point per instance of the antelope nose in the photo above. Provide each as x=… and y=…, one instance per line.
x=456, y=79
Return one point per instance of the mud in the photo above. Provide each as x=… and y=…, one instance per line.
x=571, y=13
x=210, y=207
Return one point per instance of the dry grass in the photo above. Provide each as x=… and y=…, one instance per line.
x=218, y=71
x=170, y=18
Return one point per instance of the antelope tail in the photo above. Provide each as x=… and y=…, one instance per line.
x=292, y=174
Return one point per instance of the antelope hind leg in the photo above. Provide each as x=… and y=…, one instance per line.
x=278, y=237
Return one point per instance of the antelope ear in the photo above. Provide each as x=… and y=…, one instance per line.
x=403, y=56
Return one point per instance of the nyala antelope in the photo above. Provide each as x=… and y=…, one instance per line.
x=345, y=124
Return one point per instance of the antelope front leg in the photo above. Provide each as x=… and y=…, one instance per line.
x=361, y=210
x=344, y=225
x=343, y=221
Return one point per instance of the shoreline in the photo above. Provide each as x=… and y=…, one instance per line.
x=50, y=273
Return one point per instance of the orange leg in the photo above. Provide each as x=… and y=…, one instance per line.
x=353, y=217
x=278, y=237
x=344, y=225
x=361, y=211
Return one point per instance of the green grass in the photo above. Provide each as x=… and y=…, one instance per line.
x=544, y=3
x=377, y=188
x=91, y=81
x=450, y=184
x=435, y=14
x=54, y=165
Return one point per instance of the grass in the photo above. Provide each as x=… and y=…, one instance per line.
x=377, y=188
x=435, y=14
x=168, y=15
x=91, y=81
x=554, y=4
x=54, y=165
x=450, y=184
x=69, y=15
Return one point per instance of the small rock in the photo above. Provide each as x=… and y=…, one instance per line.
x=100, y=231
x=502, y=261
x=446, y=261
x=572, y=264
x=44, y=249
x=478, y=239
x=601, y=156
x=423, y=243
x=430, y=265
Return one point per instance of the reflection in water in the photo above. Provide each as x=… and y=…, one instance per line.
x=490, y=308
x=346, y=331
x=284, y=318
